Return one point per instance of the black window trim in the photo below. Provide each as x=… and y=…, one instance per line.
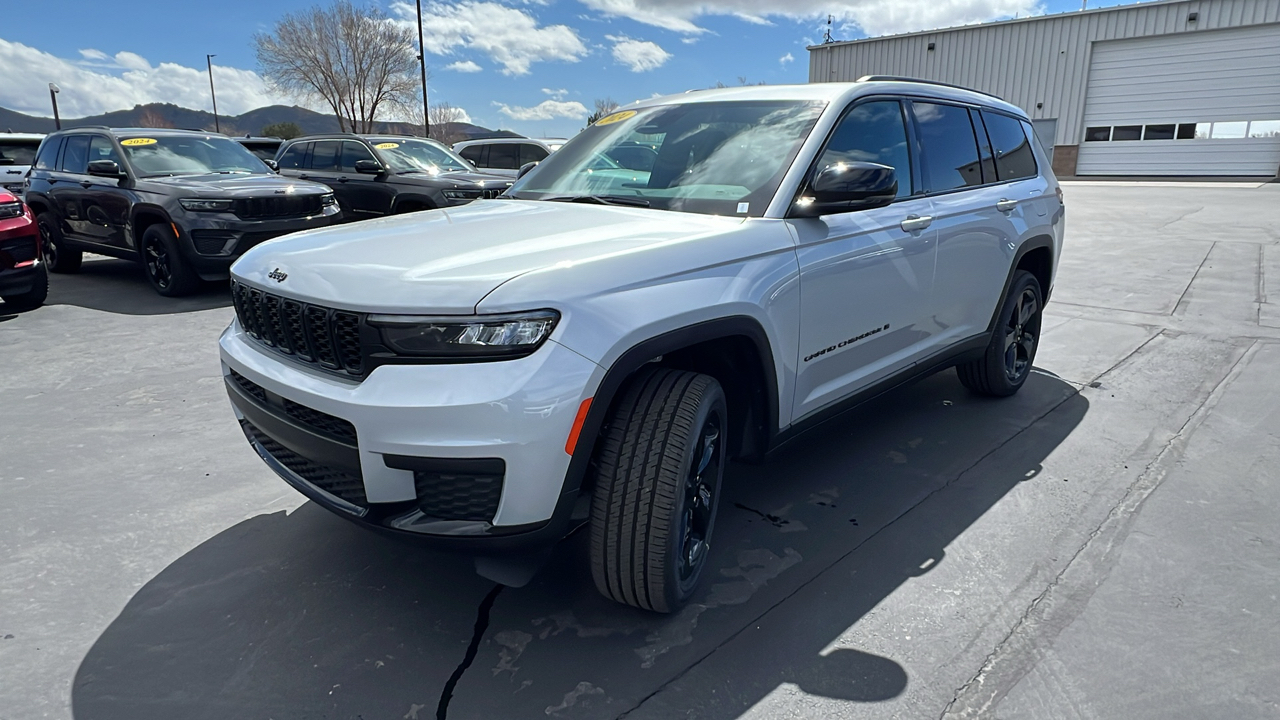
x=980, y=108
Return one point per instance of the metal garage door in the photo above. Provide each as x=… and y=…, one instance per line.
x=1194, y=103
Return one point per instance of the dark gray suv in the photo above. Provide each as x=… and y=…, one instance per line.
x=376, y=175
x=184, y=203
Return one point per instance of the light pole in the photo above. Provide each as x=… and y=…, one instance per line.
x=209, y=60
x=422, y=63
x=53, y=95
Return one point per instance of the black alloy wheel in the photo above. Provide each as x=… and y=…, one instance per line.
x=1022, y=330
x=699, y=498
x=1006, y=363
x=156, y=259
x=53, y=249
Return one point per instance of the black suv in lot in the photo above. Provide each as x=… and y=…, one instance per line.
x=375, y=175
x=184, y=203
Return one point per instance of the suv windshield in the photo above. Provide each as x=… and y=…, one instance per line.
x=409, y=155
x=715, y=158
x=189, y=155
x=18, y=152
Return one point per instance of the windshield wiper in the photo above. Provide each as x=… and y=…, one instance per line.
x=624, y=200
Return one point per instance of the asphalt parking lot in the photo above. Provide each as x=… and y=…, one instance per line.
x=1102, y=545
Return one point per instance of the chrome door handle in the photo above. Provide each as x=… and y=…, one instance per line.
x=1006, y=205
x=915, y=222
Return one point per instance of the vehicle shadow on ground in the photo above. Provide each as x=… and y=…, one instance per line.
x=118, y=286
x=304, y=615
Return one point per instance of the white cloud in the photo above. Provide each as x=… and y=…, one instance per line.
x=92, y=90
x=556, y=94
x=464, y=66
x=638, y=55
x=786, y=59
x=545, y=110
x=875, y=17
x=510, y=37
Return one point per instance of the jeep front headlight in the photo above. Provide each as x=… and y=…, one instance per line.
x=494, y=337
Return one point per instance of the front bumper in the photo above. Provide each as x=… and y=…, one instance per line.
x=213, y=241
x=19, y=260
x=421, y=449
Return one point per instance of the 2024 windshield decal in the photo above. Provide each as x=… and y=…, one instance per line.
x=845, y=343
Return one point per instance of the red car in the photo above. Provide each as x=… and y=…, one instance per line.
x=24, y=282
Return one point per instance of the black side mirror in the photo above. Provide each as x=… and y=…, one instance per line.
x=848, y=186
x=525, y=168
x=105, y=168
x=368, y=167
x=275, y=166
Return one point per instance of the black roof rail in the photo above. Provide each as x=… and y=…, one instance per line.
x=898, y=78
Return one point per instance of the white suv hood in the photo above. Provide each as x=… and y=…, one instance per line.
x=446, y=261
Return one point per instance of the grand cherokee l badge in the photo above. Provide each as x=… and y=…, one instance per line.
x=277, y=275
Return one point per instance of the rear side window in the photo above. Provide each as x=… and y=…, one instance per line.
x=472, y=153
x=48, y=157
x=1014, y=159
x=532, y=153
x=504, y=157
x=76, y=157
x=294, y=156
x=872, y=132
x=949, y=149
x=325, y=156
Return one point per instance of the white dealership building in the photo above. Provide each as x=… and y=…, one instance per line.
x=1186, y=87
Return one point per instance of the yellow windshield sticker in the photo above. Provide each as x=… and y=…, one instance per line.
x=387, y=146
x=134, y=142
x=616, y=117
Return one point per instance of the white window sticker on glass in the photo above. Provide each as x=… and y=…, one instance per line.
x=1229, y=130
x=744, y=207
x=1264, y=129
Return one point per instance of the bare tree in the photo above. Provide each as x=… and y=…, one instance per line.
x=603, y=107
x=354, y=59
x=443, y=118
x=152, y=119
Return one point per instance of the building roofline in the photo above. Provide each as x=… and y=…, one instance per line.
x=1010, y=21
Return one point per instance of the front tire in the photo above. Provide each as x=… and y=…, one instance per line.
x=1006, y=364
x=168, y=272
x=657, y=486
x=53, y=247
x=32, y=298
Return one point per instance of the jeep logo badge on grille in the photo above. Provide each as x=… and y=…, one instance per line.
x=277, y=275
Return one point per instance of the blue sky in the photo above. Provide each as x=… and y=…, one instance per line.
x=534, y=66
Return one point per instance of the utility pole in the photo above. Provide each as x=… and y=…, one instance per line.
x=53, y=95
x=216, y=127
x=422, y=63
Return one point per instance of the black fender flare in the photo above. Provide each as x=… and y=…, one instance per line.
x=1034, y=243
x=641, y=353
x=402, y=199
x=143, y=209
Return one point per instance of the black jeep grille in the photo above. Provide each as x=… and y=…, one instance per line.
x=348, y=486
x=458, y=496
x=314, y=334
x=283, y=206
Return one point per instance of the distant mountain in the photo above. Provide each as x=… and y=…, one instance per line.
x=252, y=122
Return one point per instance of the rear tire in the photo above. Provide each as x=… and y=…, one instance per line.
x=657, y=485
x=1007, y=362
x=32, y=298
x=168, y=272
x=53, y=247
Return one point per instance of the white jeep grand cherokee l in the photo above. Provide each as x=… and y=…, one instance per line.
x=599, y=342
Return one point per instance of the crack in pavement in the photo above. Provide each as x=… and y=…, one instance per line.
x=482, y=624
x=1066, y=596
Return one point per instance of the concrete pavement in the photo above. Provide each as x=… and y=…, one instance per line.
x=1101, y=545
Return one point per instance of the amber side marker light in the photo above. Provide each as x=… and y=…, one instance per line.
x=578, y=422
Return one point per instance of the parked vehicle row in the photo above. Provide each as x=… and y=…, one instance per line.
x=186, y=204
x=601, y=342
